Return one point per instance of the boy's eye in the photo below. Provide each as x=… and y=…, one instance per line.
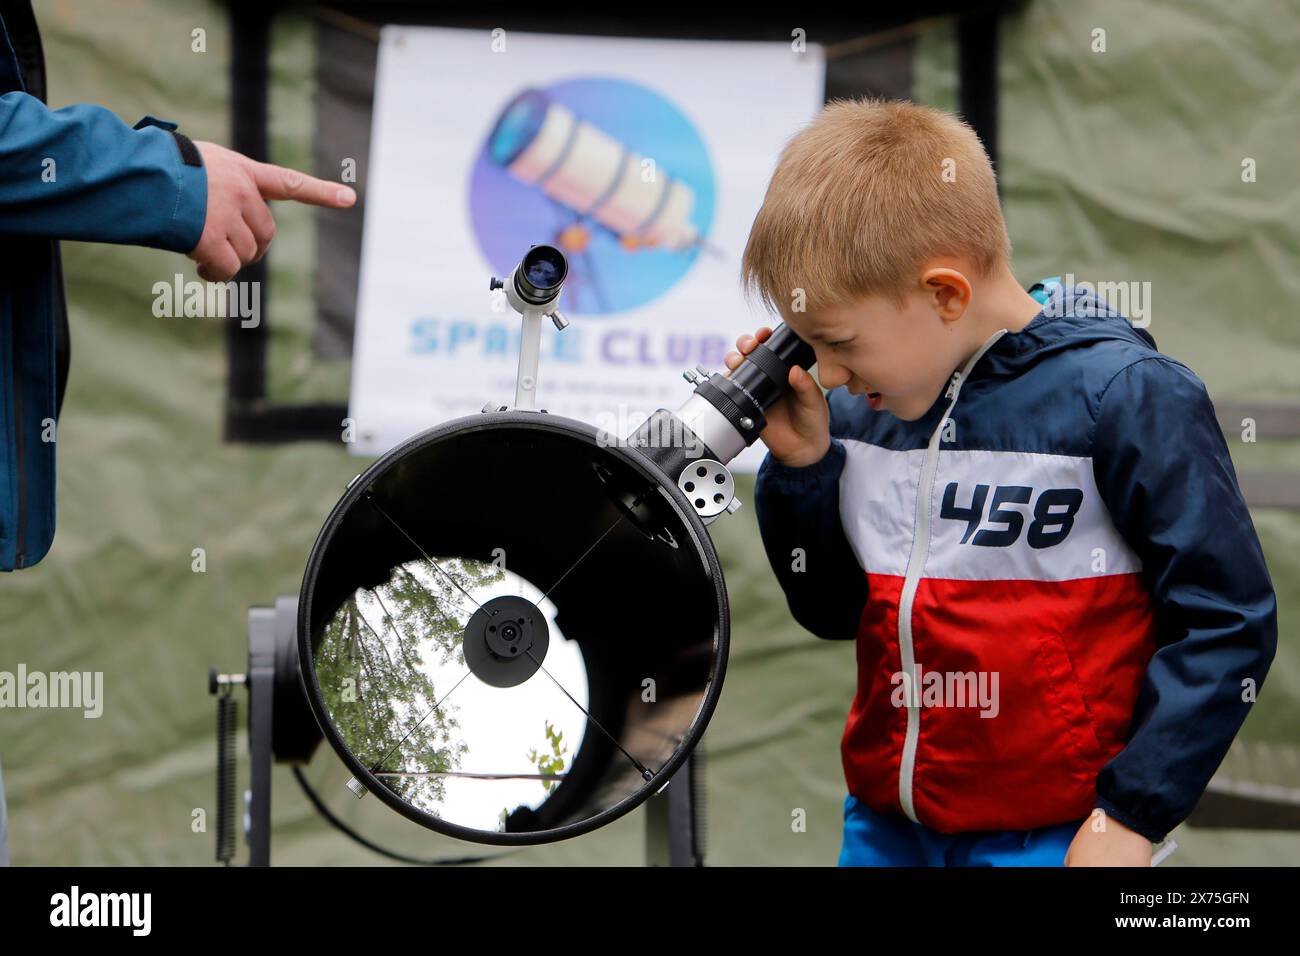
x=836, y=345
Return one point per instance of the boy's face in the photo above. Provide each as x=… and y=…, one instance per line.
x=906, y=354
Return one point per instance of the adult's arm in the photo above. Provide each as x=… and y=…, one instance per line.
x=81, y=173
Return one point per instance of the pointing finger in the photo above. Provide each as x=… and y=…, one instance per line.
x=277, y=182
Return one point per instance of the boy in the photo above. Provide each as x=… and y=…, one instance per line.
x=1024, y=514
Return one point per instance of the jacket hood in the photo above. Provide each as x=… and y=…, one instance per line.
x=1072, y=316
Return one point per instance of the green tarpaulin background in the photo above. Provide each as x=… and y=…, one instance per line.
x=1123, y=165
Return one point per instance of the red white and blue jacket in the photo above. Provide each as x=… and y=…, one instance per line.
x=1065, y=517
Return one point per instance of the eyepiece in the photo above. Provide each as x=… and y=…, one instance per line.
x=725, y=414
x=764, y=375
x=789, y=348
x=540, y=275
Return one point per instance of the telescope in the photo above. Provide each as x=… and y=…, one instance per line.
x=513, y=627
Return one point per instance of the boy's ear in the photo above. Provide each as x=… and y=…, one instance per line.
x=948, y=291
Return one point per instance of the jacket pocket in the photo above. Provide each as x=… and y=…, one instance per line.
x=1075, y=712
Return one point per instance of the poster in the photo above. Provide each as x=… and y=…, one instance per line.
x=644, y=160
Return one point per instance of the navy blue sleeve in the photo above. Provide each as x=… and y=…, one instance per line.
x=798, y=512
x=1164, y=472
x=81, y=173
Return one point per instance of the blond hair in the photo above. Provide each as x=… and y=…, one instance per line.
x=863, y=196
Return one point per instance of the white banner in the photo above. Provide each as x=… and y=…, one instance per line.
x=645, y=161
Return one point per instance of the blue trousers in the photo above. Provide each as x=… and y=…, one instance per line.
x=879, y=839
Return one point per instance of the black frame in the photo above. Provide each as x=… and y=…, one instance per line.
x=250, y=416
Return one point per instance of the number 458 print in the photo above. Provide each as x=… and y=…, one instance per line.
x=1047, y=528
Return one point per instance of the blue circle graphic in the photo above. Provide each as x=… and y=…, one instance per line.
x=608, y=273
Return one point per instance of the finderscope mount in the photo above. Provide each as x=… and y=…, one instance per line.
x=693, y=444
x=533, y=290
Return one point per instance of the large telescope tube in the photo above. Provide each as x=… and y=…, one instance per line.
x=493, y=649
x=513, y=631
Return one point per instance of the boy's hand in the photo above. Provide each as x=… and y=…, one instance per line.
x=798, y=430
x=239, y=227
x=1116, y=845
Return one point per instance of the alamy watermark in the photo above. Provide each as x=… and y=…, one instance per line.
x=132, y=911
x=1130, y=299
x=639, y=429
x=209, y=300
x=79, y=689
x=925, y=688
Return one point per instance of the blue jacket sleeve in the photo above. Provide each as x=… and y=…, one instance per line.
x=81, y=173
x=799, y=508
x=1164, y=472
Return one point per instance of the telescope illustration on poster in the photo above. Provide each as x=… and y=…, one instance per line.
x=595, y=183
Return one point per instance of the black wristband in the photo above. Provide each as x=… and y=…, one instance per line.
x=189, y=152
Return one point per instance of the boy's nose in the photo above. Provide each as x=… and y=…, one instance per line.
x=831, y=376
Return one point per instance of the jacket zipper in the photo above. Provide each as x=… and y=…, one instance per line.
x=915, y=565
x=20, y=519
